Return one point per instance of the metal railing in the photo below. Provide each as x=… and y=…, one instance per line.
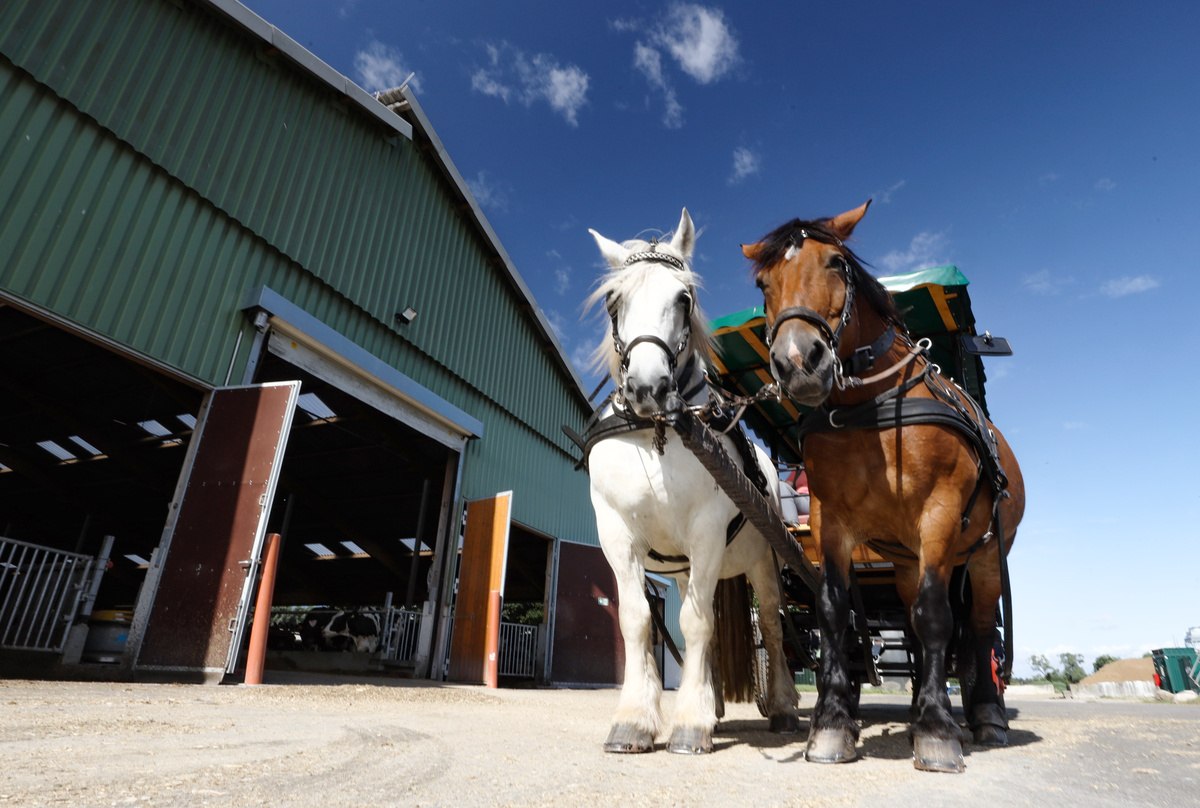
x=400, y=629
x=40, y=590
x=518, y=649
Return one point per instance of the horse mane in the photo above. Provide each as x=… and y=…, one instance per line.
x=775, y=245
x=627, y=282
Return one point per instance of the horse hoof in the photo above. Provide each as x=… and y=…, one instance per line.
x=989, y=735
x=785, y=724
x=628, y=739
x=937, y=754
x=690, y=741
x=830, y=746
x=989, y=726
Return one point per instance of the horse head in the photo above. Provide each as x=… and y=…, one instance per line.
x=809, y=280
x=650, y=294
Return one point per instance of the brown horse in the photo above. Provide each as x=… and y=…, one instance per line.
x=899, y=456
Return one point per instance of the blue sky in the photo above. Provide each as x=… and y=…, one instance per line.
x=1047, y=149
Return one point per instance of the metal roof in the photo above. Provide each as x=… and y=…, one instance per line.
x=403, y=114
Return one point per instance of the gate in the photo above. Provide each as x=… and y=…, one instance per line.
x=518, y=650
x=40, y=592
x=399, y=631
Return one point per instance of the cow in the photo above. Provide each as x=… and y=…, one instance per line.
x=339, y=630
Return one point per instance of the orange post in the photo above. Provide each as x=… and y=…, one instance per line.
x=257, y=653
x=491, y=674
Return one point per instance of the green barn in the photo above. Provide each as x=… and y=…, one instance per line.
x=240, y=296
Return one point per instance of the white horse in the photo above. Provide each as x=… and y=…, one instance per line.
x=657, y=501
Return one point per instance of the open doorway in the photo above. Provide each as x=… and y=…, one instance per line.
x=359, y=507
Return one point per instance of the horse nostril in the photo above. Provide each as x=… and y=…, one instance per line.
x=814, y=355
x=782, y=366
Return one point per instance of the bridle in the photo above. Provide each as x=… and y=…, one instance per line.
x=863, y=357
x=832, y=336
x=672, y=353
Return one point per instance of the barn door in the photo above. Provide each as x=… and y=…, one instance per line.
x=475, y=644
x=199, y=587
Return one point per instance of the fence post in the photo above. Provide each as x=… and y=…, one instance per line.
x=256, y=655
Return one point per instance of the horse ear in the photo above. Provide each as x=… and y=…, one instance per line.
x=843, y=224
x=684, y=239
x=752, y=251
x=613, y=252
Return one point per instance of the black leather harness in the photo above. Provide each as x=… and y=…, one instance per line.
x=622, y=422
x=892, y=409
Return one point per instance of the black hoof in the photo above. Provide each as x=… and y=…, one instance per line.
x=989, y=726
x=785, y=724
x=938, y=754
x=690, y=741
x=627, y=739
x=830, y=746
x=988, y=735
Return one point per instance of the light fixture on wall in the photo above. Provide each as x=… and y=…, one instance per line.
x=407, y=316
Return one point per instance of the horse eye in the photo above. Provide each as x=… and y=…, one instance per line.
x=837, y=261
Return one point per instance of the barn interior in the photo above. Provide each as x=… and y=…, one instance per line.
x=92, y=444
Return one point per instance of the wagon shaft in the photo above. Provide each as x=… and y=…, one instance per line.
x=706, y=446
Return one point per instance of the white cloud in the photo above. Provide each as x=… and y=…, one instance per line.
x=695, y=37
x=925, y=249
x=488, y=193
x=562, y=273
x=1128, y=285
x=699, y=39
x=1048, y=178
x=1043, y=282
x=649, y=61
x=513, y=75
x=557, y=324
x=1105, y=184
x=381, y=67
x=745, y=163
x=885, y=196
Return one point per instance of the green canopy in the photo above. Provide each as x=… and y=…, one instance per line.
x=934, y=303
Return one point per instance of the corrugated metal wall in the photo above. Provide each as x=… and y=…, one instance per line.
x=156, y=163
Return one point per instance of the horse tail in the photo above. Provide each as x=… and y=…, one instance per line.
x=734, y=645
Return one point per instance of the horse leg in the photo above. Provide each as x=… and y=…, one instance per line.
x=781, y=699
x=937, y=745
x=695, y=703
x=637, y=720
x=983, y=701
x=832, y=730
x=907, y=584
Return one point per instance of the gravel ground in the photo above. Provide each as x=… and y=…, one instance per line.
x=390, y=742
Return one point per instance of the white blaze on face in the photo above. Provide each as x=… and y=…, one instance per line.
x=791, y=252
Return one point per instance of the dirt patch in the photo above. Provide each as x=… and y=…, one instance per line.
x=393, y=742
x=1123, y=670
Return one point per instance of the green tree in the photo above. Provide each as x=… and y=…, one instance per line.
x=1072, y=667
x=1101, y=661
x=1043, y=667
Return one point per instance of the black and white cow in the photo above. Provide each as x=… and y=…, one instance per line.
x=339, y=630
